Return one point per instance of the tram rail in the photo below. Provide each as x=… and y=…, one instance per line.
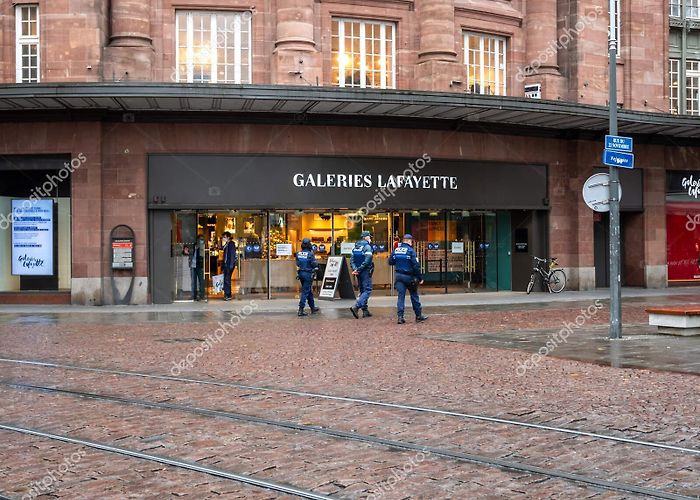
x=412, y=408
x=182, y=464
x=353, y=436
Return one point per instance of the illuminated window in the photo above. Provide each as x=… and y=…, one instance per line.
x=27, y=51
x=485, y=57
x=692, y=8
x=213, y=47
x=363, y=53
x=673, y=91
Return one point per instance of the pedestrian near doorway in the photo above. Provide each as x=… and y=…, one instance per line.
x=408, y=277
x=230, y=260
x=363, y=268
x=197, y=266
x=306, y=268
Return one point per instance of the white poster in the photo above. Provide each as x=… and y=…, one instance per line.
x=32, y=237
x=330, y=277
x=346, y=248
x=457, y=247
x=283, y=249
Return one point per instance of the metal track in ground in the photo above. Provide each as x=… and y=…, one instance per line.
x=483, y=418
x=373, y=440
x=260, y=483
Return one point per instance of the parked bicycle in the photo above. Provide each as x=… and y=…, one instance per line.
x=553, y=277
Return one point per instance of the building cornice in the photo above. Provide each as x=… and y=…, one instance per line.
x=306, y=103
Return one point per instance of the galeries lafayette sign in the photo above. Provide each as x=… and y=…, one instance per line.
x=380, y=181
x=341, y=182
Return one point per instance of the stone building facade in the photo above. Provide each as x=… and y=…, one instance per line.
x=474, y=83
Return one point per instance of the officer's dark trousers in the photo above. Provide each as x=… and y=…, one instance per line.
x=364, y=281
x=403, y=283
x=306, y=278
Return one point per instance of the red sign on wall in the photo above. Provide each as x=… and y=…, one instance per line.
x=683, y=241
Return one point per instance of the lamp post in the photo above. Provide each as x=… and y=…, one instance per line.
x=615, y=292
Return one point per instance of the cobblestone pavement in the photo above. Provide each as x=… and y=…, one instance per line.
x=332, y=353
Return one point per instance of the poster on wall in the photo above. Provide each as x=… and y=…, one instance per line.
x=32, y=238
x=683, y=241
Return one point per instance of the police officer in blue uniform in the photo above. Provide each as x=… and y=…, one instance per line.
x=363, y=268
x=306, y=267
x=408, y=277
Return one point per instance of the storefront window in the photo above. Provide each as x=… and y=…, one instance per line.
x=683, y=226
x=35, y=227
x=377, y=224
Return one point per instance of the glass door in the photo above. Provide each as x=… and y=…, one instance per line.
x=348, y=232
x=249, y=233
x=430, y=242
x=183, y=238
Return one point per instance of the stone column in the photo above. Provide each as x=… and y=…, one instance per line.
x=296, y=59
x=438, y=68
x=542, y=48
x=129, y=55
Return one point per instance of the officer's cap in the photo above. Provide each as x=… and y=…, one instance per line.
x=365, y=233
x=306, y=241
x=407, y=237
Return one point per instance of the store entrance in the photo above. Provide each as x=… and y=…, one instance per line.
x=460, y=250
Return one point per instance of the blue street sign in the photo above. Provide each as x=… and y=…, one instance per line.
x=617, y=159
x=618, y=143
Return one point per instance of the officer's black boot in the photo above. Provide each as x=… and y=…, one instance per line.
x=315, y=309
x=421, y=318
x=301, y=312
x=354, y=310
x=366, y=313
x=401, y=321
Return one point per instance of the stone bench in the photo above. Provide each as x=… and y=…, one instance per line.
x=676, y=320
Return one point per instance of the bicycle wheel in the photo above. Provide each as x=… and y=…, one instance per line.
x=557, y=281
x=531, y=283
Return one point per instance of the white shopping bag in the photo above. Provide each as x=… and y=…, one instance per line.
x=217, y=282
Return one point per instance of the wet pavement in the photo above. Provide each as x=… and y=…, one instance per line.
x=640, y=346
x=540, y=359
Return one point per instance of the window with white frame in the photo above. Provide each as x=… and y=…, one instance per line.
x=363, y=53
x=674, y=89
x=27, y=52
x=692, y=87
x=213, y=47
x=674, y=8
x=692, y=8
x=485, y=57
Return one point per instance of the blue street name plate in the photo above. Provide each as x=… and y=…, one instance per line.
x=617, y=159
x=618, y=143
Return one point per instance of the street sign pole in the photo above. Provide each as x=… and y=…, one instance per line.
x=615, y=292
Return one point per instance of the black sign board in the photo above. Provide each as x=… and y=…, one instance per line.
x=336, y=278
x=521, y=240
x=682, y=186
x=266, y=181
